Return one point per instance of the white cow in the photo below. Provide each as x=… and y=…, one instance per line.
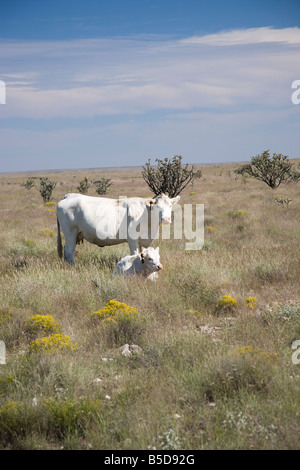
x=105, y=221
x=146, y=263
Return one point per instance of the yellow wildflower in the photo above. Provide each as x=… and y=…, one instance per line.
x=42, y=322
x=49, y=204
x=113, y=309
x=251, y=302
x=226, y=303
x=54, y=343
x=193, y=312
x=250, y=351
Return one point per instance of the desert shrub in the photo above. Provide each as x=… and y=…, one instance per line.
x=52, y=344
x=244, y=369
x=83, y=186
x=169, y=176
x=251, y=302
x=271, y=170
x=102, y=185
x=196, y=291
x=121, y=323
x=46, y=188
x=29, y=183
x=226, y=304
x=287, y=311
x=42, y=323
x=268, y=273
x=16, y=421
x=71, y=417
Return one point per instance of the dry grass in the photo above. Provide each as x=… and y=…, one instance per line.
x=192, y=387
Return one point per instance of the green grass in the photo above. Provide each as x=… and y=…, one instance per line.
x=207, y=377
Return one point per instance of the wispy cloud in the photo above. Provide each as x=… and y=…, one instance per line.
x=134, y=75
x=248, y=36
x=163, y=94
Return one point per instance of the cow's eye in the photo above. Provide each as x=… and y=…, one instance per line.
x=150, y=259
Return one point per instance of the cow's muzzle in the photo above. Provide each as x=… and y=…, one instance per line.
x=159, y=267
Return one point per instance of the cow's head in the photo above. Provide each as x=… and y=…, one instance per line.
x=150, y=259
x=164, y=205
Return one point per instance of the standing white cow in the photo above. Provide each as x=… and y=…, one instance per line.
x=147, y=263
x=105, y=221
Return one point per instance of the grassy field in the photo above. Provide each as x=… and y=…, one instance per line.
x=206, y=377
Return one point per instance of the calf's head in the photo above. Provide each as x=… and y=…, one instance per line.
x=150, y=259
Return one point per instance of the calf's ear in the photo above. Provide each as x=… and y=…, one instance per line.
x=142, y=257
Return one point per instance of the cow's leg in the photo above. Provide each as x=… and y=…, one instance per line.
x=70, y=246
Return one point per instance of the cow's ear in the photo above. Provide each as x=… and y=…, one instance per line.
x=175, y=200
x=157, y=249
x=142, y=257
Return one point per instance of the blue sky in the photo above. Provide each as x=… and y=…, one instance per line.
x=99, y=84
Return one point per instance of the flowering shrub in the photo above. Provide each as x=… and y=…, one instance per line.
x=123, y=324
x=251, y=302
x=38, y=323
x=226, y=303
x=114, y=309
x=52, y=344
x=51, y=210
x=211, y=228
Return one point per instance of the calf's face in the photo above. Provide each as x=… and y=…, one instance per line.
x=150, y=259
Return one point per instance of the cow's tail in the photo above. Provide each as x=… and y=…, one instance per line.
x=59, y=243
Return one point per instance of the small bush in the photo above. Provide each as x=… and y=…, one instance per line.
x=83, y=186
x=251, y=302
x=51, y=344
x=66, y=417
x=122, y=323
x=29, y=183
x=102, y=185
x=44, y=323
x=46, y=188
x=271, y=170
x=226, y=303
x=242, y=369
x=169, y=177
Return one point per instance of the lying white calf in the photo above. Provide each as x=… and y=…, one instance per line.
x=146, y=263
